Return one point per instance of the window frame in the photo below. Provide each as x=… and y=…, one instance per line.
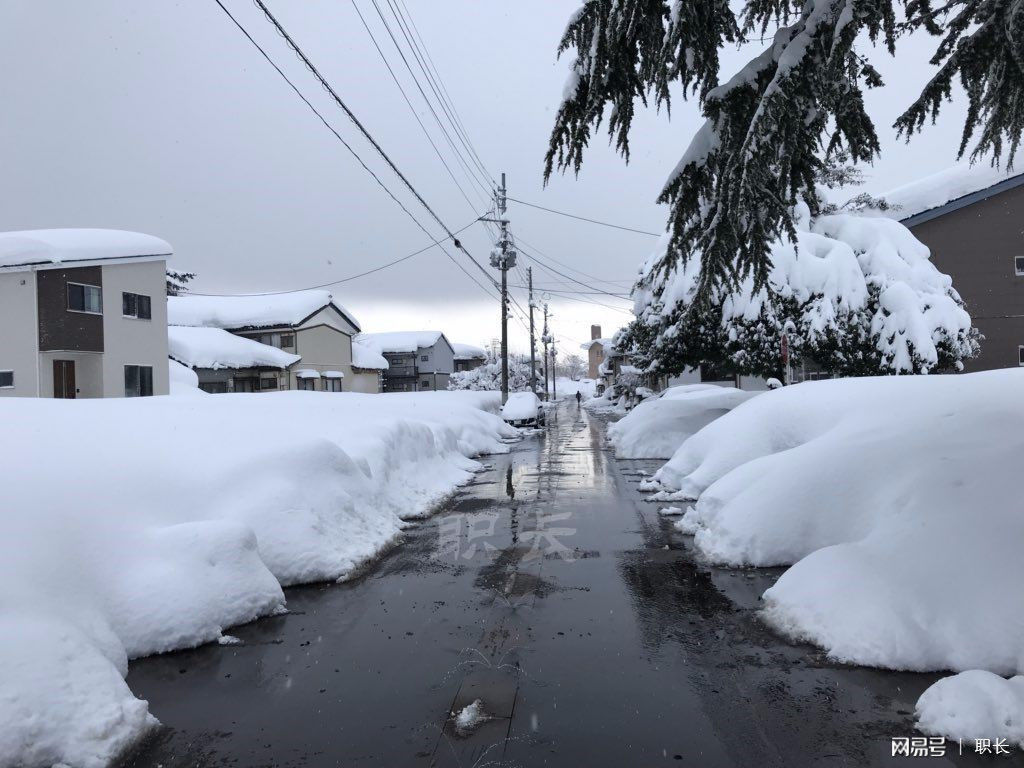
x=67, y=289
x=1020, y=355
x=287, y=335
x=333, y=384
x=10, y=371
x=140, y=380
x=1018, y=266
x=276, y=384
x=135, y=300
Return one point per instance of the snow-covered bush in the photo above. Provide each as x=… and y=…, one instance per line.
x=657, y=427
x=185, y=516
x=854, y=294
x=895, y=499
x=487, y=377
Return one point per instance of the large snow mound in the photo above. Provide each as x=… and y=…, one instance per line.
x=56, y=246
x=657, y=427
x=875, y=488
x=183, y=517
x=214, y=348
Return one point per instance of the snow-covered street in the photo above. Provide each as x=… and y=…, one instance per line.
x=551, y=591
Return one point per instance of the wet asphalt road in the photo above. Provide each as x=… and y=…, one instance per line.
x=553, y=592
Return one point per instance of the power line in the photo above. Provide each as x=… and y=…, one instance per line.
x=447, y=105
x=355, y=121
x=549, y=269
x=426, y=99
x=348, y=279
x=584, y=218
x=411, y=108
x=571, y=268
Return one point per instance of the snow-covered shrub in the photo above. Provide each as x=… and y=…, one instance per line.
x=854, y=294
x=487, y=377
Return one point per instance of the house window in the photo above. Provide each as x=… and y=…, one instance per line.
x=332, y=385
x=1020, y=356
x=1018, y=265
x=6, y=379
x=425, y=384
x=424, y=358
x=307, y=385
x=138, y=380
x=85, y=298
x=287, y=341
x=136, y=305
x=268, y=382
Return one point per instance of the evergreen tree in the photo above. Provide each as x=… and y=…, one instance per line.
x=177, y=282
x=771, y=129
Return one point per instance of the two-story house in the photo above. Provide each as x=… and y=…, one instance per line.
x=597, y=350
x=83, y=314
x=310, y=324
x=418, y=361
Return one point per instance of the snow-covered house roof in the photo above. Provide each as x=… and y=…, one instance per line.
x=236, y=312
x=41, y=247
x=404, y=341
x=367, y=355
x=948, y=190
x=468, y=352
x=216, y=348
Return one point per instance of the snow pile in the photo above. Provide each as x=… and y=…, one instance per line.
x=367, y=355
x=856, y=293
x=404, y=341
x=897, y=501
x=57, y=246
x=943, y=187
x=974, y=705
x=657, y=427
x=214, y=348
x=185, y=516
x=469, y=717
x=234, y=312
x=184, y=381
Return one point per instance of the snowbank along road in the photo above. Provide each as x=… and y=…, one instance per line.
x=548, y=616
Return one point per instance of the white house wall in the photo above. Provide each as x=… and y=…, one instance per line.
x=129, y=341
x=368, y=383
x=18, y=341
x=323, y=348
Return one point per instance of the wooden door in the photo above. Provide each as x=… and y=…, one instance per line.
x=64, y=379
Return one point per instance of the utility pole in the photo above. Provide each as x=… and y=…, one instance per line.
x=546, y=338
x=554, y=373
x=503, y=257
x=533, y=346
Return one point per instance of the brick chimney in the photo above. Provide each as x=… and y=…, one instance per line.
x=595, y=332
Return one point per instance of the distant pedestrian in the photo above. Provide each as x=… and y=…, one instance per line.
x=579, y=398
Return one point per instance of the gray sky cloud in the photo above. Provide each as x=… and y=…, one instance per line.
x=161, y=117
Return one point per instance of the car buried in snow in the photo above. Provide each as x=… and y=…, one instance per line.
x=523, y=409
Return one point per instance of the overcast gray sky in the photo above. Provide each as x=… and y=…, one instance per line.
x=161, y=117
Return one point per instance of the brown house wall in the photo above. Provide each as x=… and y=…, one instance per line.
x=976, y=245
x=60, y=329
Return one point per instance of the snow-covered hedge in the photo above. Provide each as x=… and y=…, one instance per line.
x=657, y=427
x=856, y=294
x=138, y=526
x=896, y=499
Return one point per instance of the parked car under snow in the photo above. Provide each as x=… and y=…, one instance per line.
x=523, y=409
